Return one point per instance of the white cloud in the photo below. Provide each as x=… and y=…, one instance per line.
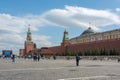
x=11, y=42
x=118, y=9
x=19, y=24
x=72, y=16
x=42, y=40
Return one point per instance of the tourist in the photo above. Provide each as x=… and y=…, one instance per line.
x=77, y=60
x=13, y=58
x=38, y=57
x=35, y=58
x=54, y=57
x=118, y=59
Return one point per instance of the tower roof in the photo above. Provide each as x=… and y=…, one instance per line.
x=88, y=31
x=65, y=37
x=65, y=41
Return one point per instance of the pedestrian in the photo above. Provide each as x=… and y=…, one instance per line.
x=38, y=57
x=34, y=57
x=42, y=57
x=77, y=60
x=13, y=58
x=118, y=59
x=54, y=57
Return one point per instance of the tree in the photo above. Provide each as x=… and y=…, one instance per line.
x=103, y=52
x=113, y=52
x=95, y=52
x=87, y=52
x=80, y=53
x=67, y=52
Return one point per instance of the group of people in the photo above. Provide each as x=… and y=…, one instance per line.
x=36, y=58
x=11, y=57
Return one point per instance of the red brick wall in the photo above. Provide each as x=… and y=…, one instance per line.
x=57, y=49
x=104, y=44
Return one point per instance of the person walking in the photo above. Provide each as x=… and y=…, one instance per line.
x=77, y=60
x=118, y=59
x=38, y=57
x=13, y=58
x=54, y=57
x=35, y=57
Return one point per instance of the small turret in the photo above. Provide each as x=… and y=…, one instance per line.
x=65, y=41
x=65, y=36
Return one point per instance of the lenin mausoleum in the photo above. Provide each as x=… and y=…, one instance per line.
x=88, y=43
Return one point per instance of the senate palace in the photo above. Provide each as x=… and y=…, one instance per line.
x=90, y=36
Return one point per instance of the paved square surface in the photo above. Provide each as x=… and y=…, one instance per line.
x=59, y=70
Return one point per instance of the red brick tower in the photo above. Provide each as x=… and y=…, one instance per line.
x=29, y=45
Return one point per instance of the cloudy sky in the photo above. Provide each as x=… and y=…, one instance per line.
x=49, y=18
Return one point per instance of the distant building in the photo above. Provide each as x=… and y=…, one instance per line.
x=28, y=45
x=89, y=36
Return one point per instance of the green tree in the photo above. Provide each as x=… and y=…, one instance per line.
x=80, y=53
x=87, y=52
x=95, y=52
x=113, y=52
x=67, y=53
x=103, y=52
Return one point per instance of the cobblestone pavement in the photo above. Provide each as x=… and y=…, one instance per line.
x=59, y=70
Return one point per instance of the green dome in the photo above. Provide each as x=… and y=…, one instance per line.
x=88, y=31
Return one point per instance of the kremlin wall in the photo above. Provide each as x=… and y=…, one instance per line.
x=88, y=43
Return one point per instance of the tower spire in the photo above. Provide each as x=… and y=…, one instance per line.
x=29, y=28
x=29, y=38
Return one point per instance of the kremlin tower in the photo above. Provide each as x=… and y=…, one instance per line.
x=65, y=42
x=29, y=45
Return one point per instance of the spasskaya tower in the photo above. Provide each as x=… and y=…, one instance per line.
x=29, y=45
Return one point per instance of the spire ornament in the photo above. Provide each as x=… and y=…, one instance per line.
x=29, y=28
